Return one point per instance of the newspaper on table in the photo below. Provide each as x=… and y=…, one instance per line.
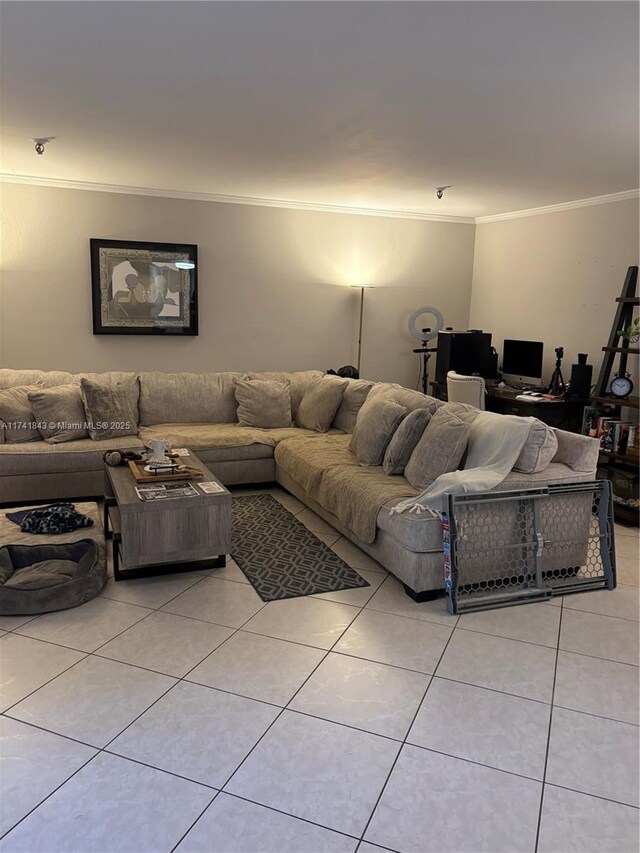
x=166, y=491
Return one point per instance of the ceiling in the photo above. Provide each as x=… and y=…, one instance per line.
x=362, y=104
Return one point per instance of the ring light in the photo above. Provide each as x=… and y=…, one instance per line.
x=427, y=336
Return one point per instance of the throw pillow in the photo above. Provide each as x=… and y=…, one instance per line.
x=59, y=413
x=375, y=430
x=264, y=403
x=320, y=403
x=411, y=400
x=109, y=409
x=440, y=449
x=299, y=383
x=540, y=448
x=17, y=422
x=355, y=394
x=404, y=441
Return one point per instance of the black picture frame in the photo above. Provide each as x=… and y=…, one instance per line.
x=137, y=289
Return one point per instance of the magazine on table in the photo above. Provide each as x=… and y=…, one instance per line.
x=166, y=491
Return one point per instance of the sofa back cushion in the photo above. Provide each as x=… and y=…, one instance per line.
x=540, y=448
x=404, y=441
x=264, y=403
x=10, y=378
x=440, y=450
x=406, y=397
x=60, y=413
x=355, y=394
x=188, y=398
x=299, y=383
x=16, y=415
x=376, y=426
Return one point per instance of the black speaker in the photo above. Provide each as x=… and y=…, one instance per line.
x=465, y=352
x=580, y=383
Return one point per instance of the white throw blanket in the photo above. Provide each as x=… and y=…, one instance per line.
x=495, y=442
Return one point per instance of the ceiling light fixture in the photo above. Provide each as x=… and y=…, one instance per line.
x=440, y=190
x=40, y=142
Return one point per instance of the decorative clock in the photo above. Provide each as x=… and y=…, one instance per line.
x=621, y=385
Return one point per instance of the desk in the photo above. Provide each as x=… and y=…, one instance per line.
x=566, y=414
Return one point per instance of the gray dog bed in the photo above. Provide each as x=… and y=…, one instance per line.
x=42, y=578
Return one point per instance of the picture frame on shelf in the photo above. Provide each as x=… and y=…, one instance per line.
x=144, y=288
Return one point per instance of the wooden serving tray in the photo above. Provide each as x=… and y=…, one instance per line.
x=142, y=476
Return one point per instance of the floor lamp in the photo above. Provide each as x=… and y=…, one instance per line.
x=362, y=288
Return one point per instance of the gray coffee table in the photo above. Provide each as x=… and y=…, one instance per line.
x=160, y=537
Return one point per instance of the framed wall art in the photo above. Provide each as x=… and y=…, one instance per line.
x=144, y=288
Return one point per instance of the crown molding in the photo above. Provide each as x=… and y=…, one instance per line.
x=557, y=208
x=62, y=183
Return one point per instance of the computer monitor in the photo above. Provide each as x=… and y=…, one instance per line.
x=522, y=362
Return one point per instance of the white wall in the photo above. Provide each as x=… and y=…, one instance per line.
x=271, y=283
x=554, y=278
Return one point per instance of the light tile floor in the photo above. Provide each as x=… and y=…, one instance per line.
x=184, y=713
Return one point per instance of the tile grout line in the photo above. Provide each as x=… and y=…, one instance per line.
x=327, y=652
x=549, y=729
x=53, y=678
x=99, y=750
x=176, y=682
x=206, y=808
x=286, y=707
x=104, y=749
x=261, y=804
x=50, y=794
x=277, y=811
x=404, y=741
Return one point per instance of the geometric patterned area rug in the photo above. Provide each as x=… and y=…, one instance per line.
x=279, y=556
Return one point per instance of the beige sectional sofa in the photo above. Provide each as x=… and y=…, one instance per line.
x=199, y=411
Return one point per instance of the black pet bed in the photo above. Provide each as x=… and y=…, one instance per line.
x=41, y=578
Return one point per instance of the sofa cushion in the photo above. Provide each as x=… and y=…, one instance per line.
x=320, y=403
x=109, y=408
x=540, y=448
x=440, y=449
x=411, y=400
x=420, y=533
x=263, y=403
x=224, y=442
x=40, y=457
x=60, y=413
x=355, y=394
x=376, y=426
x=307, y=461
x=189, y=398
x=464, y=411
x=17, y=422
x=355, y=494
x=9, y=378
x=404, y=441
x=406, y=397
x=299, y=382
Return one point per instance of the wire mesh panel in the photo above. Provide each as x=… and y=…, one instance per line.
x=504, y=548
